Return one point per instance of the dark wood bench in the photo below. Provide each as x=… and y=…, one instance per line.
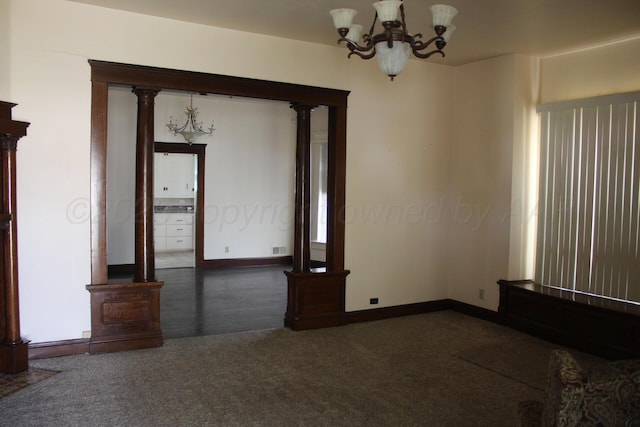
x=597, y=325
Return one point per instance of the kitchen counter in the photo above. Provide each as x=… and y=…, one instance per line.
x=173, y=209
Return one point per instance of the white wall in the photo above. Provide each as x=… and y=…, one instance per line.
x=250, y=167
x=397, y=184
x=5, y=51
x=249, y=172
x=600, y=70
x=429, y=191
x=399, y=136
x=492, y=108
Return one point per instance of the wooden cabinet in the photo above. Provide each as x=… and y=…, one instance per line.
x=605, y=327
x=174, y=175
x=173, y=231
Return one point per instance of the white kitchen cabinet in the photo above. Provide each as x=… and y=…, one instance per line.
x=174, y=175
x=173, y=231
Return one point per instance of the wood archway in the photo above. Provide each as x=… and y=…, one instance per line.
x=126, y=315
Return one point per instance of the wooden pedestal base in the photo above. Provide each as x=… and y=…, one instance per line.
x=315, y=300
x=14, y=357
x=125, y=316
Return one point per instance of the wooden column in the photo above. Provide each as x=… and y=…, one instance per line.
x=124, y=315
x=13, y=349
x=314, y=299
x=301, y=238
x=144, y=250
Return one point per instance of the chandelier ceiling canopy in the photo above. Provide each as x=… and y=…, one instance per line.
x=191, y=129
x=393, y=44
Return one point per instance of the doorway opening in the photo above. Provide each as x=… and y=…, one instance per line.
x=174, y=208
x=133, y=307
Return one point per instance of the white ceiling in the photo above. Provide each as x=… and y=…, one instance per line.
x=485, y=28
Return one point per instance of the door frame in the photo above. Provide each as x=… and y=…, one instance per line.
x=199, y=151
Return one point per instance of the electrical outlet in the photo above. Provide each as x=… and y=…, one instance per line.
x=373, y=300
x=481, y=293
x=86, y=334
x=226, y=249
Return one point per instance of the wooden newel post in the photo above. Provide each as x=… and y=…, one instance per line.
x=14, y=352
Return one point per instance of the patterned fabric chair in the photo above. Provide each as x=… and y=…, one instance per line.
x=607, y=395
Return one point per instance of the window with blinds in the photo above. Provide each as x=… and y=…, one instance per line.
x=588, y=218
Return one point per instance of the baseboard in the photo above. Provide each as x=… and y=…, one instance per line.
x=115, y=344
x=129, y=269
x=247, y=262
x=44, y=350
x=421, y=308
x=396, y=311
x=82, y=346
x=121, y=270
x=317, y=264
x=474, y=311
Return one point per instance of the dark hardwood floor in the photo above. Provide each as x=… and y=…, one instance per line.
x=196, y=302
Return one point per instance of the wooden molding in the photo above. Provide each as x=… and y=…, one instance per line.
x=59, y=348
x=199, y=150
x=121, y=270
x=81, y=346
x=397, y=311
x=246, y=262
x=104, y=74
x=474, y=311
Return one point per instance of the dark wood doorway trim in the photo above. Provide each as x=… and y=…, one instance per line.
x=199, y=151
x=315, y=299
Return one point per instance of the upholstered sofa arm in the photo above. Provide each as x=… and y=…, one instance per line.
x=605, y=395
x=565, y=391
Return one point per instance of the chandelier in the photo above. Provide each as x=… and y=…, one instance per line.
x=191, y=129
x=393, y=45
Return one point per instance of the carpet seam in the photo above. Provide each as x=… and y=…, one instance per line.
x=499, y=373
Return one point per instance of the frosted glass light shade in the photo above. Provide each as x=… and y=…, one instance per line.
x=443, y=14
x=447, y=34
x=387, y=10
x=355, y=33
x=342, y=18
x=392, y=60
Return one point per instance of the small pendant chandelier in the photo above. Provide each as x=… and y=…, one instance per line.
x=393, y=45
x=191, y=129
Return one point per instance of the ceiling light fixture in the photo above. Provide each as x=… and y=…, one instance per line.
x=191, y=129
x=394, y=44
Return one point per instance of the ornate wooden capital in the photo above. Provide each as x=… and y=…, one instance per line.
x=8, y=142
x=145, y=95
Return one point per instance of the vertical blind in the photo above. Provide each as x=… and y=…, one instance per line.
x=588, y=218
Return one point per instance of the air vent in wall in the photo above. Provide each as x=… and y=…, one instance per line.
x=279, y=250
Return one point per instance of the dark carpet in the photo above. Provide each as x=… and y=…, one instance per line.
x=437, y=369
